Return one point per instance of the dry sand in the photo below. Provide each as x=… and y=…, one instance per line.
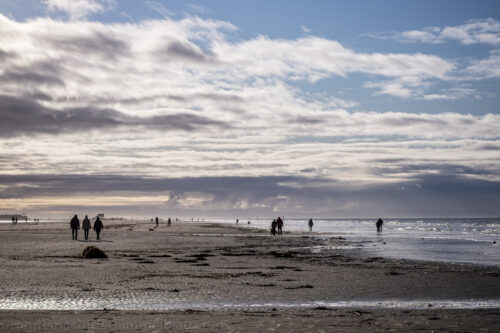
x=193, y=268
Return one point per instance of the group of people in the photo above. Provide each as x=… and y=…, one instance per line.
x=278, y=223
x=157, y=221
x=86, y=225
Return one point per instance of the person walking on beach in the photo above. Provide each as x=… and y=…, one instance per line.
x=279, y=224
x=98, y=227
x=157, y=220
x=379, y=224
x=273, y=228
x=310, y=223
x=86, y=227
x=75, y=225
x=169, y=222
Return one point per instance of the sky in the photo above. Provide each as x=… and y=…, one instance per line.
x=245, y=109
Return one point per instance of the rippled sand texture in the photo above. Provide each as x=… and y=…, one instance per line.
x=193, y=271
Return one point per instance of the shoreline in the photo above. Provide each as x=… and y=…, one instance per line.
x=202, y=263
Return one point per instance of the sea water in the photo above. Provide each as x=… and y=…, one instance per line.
x=453, y=240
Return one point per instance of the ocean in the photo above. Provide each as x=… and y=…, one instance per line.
x=453, y=240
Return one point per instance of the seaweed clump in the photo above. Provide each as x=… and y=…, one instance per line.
x=93, y=252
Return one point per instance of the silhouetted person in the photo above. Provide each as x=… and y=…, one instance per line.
x=157, y=220
x=310, y=224
x=379, y=225
x=13, y=220
x=86, y=227
x=279, y=224
x=237, y=220
x=169, y=222
x=273, y=228
x=98, y=227
x=75, y=225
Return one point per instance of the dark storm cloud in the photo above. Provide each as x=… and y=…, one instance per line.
x=185, y=98
x=295, y=196
x=38, y=96
x=406, y=120
x=38, y=73
x=183, y=51
x=491, y=147
x=187, y=122
x=441, y=169
x=307, y=120
x=221, y=187
x=4, y=55
x=389, y=160
x=23, y=116
x=216, y=97
x=26, y=77
x=96, y=43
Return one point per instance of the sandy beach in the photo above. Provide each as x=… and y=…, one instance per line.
x=198, y=276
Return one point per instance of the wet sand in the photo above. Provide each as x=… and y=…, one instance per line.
x=204, y=277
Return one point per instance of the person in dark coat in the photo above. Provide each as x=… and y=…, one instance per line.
x=379, y=225
x=310, y=223
x=86, y=227
x=157, y=220
x=98, y=227
x=273, y=228
x=75, y=225
x=279, y=224
x=169, y=222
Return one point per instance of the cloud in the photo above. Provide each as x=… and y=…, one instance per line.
x=450, y=94
x=22, y=116
x=169, y=99
x=159, y=8
x=488, y=68
x=185, y=51
x=97, y=42
x=198, y=9
x=481, y=31
x=236, y=196
x=305, y=29
x=197, y=55
x=79, y=9
x=166, y=68
x=313, y=58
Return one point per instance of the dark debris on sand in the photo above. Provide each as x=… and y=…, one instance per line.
x=93, y=252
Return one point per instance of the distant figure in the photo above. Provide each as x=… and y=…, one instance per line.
x=310, y=223
x=273, y=228
x=157, y=220
x=248, y=222
x=86, y=227
x=379, y=225
x=169, y=222
x=237, y=220
x=75, y=225
x=279, y=224
x=13, y=220
x=98, y=227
